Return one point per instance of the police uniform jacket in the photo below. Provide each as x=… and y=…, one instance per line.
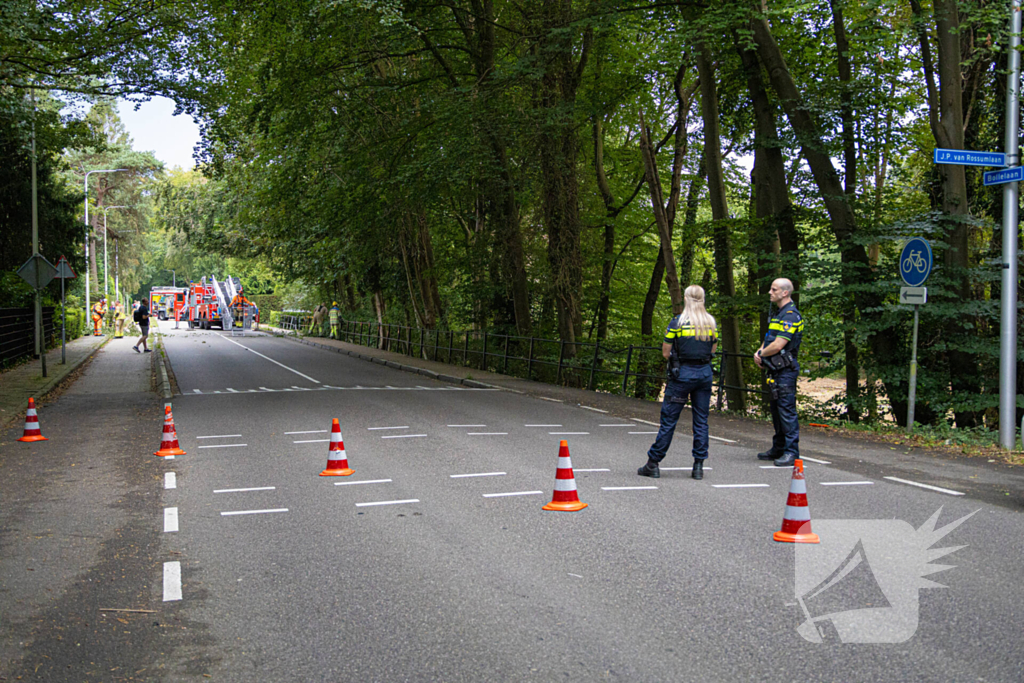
x=692, y=353
x=788, y=324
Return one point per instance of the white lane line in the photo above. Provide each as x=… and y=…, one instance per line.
x=225, y=445
x=627, y=488
x=172, y=581
x=596, y=410
x=566, y=433
x=265, y=389
x=718, y=438
x=683, y=468
x=845, y=483
x=368, y=481
x=169, y=457
x=469, y=425
x=170, y=480
x=820, y=462
x=302, y=388
x=641, y=432
x=477, y=474
x=310, y=431
x=197, y=391
x=646, y=422
x=221, y=436
x=388, y=502
x=252, y=512
x=233, y=391
x=545, y=398
x=773, y=467
x=513, y=493
x=170, y=520
x=255, y=488
x=486, y=433
x=270, y=359
x=372, y=429
x=629, y=425
x=313, y=441
x=402, y=436
x=924, y=486
x=542, y=425
x=595, y=469
x=739, y=486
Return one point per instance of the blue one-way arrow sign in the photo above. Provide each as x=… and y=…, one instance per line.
x=966, y=157
x=1009, y=175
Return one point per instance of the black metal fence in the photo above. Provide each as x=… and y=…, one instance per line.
x=629, y=370
x=17, y=332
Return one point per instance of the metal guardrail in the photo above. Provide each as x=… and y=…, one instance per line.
x=633, y=369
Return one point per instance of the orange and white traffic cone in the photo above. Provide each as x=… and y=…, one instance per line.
x=169, y=440
x=337, y=461
x=32, y=432
x=796, y=523
x=565, y=498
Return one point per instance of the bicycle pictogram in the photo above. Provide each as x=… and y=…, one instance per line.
x=915, y=261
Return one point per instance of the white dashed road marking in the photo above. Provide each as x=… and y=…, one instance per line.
x=402, y=436
x=374, y=429
x=646, y=422
x=221, y=436
x=486, y=433
x=477, y=474
x=170, y=520
x=542, y=425
x=629, y=425
x=252, y=512
x=641, y=432
x=469, y=425
x=310, y=431
x=820, y=462
x=567, y=433
x=718, y=438
x=924, y=486
x=513, y=493
x=739, y=486
x=225, y=445
x=846, y=483
x=596, y=410
x=312, y=441
x=599, y=469
x=170, y=480
x=172, y=581
x=388, y=502
x=773, y=467
x=256, y=488
x=368, y=481
x=669, y=469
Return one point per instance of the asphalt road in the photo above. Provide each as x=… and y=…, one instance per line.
x=411, y=571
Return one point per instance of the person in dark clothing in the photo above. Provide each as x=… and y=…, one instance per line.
x=690, y=342
x=141, y=316
x=778, y=357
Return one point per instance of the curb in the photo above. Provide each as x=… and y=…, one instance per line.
x=472, y=383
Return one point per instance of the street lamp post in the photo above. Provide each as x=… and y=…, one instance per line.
x=86, y=184
x=106, y=279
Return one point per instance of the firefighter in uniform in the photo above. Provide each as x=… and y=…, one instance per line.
x=119, y=320
x=690, y=342
x=778, y=357
x=99, y=309
x=335, y=314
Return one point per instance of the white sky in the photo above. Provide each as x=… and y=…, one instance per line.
x=155, y=129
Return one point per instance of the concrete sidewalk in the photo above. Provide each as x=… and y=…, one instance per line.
x=26, y=381
x=996, y=482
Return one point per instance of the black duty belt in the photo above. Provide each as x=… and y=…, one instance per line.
x=694, y=361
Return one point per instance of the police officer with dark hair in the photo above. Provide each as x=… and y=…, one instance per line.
x=690, y=342
x=777, y=356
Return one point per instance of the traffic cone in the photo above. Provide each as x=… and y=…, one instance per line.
x=796, y=523
x=565, y=498
x=32, y=432
x=169, y=440
x=337, y=461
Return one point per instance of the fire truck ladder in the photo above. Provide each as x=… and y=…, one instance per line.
x=223, y=301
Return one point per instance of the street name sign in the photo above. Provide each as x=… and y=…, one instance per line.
x=1007, y=175
x=915, y=262
x=37, y=271
x=966, y=157
x=914, y=295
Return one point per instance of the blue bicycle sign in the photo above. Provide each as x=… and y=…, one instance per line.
x=915, y=262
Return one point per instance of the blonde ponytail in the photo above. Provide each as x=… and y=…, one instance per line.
x=695, y=314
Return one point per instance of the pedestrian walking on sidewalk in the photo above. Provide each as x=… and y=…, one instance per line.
x=119, y=320
x=690, y=341
x=335, y=315
x=777, y=356
x=142, y=318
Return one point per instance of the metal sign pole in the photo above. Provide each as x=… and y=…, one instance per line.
x=912, y=394
x=1008, y=303
x=63, y=326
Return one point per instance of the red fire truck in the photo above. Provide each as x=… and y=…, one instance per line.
x=203, y=307
x=166, y=303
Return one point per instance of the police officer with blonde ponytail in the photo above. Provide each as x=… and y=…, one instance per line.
x=690, y=342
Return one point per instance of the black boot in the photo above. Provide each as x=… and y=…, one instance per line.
x=786, y=460
x=768, y=455
x=650, y=470
x=698, y=469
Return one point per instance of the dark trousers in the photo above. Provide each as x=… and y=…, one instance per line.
x=787, y=429
x=696, y=390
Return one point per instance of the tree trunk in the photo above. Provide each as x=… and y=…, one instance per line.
x=729, y=327
x=428, y=280
x=688, y=238
x=660, y=217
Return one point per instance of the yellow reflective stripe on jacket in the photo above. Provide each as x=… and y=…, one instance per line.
x=686, y=331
